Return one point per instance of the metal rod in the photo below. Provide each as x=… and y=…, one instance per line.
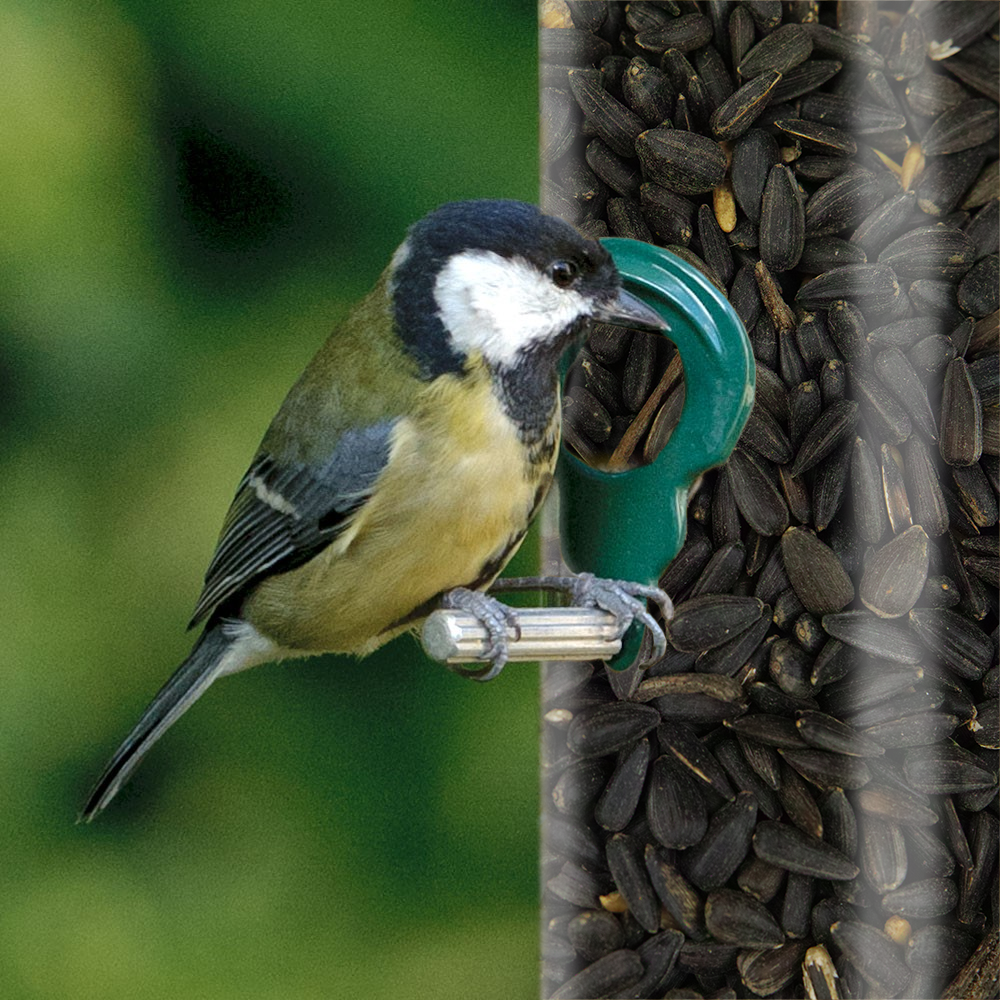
x=546, y=634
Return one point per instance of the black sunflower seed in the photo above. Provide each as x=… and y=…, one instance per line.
x=772, y=730
x=895, y=805
x=640, y=371
x=735, y=917
x=706, y=958
x=883, y=224
x=967, y=124
x=625, y=862
x=832, y=663
x=874, y=954
x=674, y=891
x=869, y=286
x=829, y=430
x=931, y=897
x=816, y=136
x=945, y=179
x=824, y=253
x=682, y=741
x=710, y=863
x=983, y=227
x=625, y=219
x=571, y=47
x=858, y=118
x=683, y=162
x=578, y=886
x=743, y=107
x=753, y=157
x=960, y=644
x=840, y=46
x=824, y=732
x=866, y=491
x=930, y=252
x=946, y=769
x=685, y=33
x=670, y=216
x=985, y=375
x=895, y=575
x=782, y=221
x=714, y=75
x=647, y=91
x=798, y=802
x=618, y=801
x=758, y=498
x=704, y=622
x=847, y=329
x=616, y=971
x=931, y=94
x=804, y=79
x=607, y=728
x=883, y=853
x=977, y=292
x=950, y=27
x=919, y=729
x=693, y=697
x=937, y=299
x=939, y=949
x=745, y=778
x=764, y=435
x=617, y=173
x=815, y=572
x=790, y=848
x=616, y=124
x=829, y=770
x=594, y=933
x=760, y=879
x=585, y=413
x=905, y=56
x=928, y=503
x=766, y=972
x=659, y=956
x=675, y=809
x=976, y=880
x=843, y=202
x=904, y=333
x=901, y=379
x=877, y=636
x=579, y=785
x=929, y=851
x=887, y=418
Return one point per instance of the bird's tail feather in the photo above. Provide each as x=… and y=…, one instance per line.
x=188, y=682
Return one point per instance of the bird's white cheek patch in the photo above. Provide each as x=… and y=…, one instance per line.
x=498, y=305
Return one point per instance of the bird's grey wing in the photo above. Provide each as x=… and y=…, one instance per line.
x=285, y=511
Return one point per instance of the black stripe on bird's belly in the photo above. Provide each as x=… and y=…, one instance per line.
x=528, y=390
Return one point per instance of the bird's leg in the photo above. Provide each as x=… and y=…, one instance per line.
x=496, y=617
x=623, y=599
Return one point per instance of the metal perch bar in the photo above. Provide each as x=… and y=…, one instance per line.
x=546, y=634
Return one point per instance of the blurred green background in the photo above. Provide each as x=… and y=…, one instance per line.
x=191, y=193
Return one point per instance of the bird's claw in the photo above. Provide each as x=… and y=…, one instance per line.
x=624, y=600
x=496, y=617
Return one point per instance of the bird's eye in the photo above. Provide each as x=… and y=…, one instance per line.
x=564, y=273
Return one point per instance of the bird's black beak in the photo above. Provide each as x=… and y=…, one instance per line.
x=627, y=310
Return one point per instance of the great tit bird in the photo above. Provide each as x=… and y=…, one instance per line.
x=406, y=463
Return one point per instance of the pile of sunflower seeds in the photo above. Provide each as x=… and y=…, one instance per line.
x=800, y=798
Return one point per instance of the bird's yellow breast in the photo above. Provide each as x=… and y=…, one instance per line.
x=449, y=510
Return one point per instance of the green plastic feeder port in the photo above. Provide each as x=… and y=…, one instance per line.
x=630, y=525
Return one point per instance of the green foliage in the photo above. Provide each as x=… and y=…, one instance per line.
x=190, y=196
